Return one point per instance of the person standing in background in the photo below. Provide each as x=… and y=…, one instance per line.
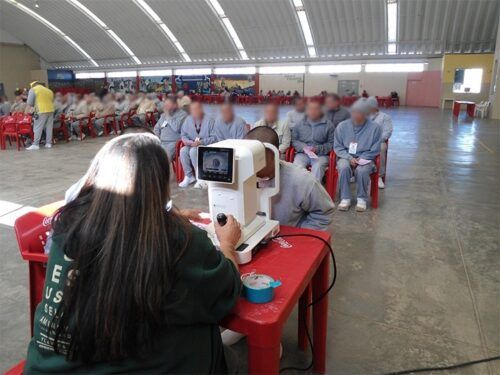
x=4, y=106
x=41, y=99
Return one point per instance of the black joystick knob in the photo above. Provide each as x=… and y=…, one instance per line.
x=222, y=219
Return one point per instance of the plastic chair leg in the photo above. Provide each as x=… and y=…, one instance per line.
x=374, y=190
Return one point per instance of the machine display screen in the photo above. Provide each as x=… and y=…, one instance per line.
x=215, y=164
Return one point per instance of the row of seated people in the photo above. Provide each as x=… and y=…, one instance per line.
x=356, y=137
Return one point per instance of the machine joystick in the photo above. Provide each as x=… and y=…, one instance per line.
x=222, y=219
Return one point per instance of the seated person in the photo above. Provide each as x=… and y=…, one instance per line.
x=271, y=120
x=19, y=105
x=228, y=125
x=334, y=111
x=357, y=140
x=297, y=114
x=4, y=106
x=302, y=201
x=183, y=101
x=145, y=105
x=81, y=110
x=170, y=288
x=61, y=107
x=122, y=104
x=385, y=121
x=198, y=129
x=169, y=125
x=312, y=139
x=107, y=108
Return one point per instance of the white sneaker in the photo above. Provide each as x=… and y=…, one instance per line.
x=33, y=148
x=48, y=145
x=198, y=185
x=381, y=184
x=100, y=133
x=74, y=138
x=230, y=337
x=361, y=205
x=83, y=136
x=187, y=181
x=344, y=205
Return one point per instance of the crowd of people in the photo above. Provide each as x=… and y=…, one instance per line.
x=357, y=136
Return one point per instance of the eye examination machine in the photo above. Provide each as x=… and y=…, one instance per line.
x=230, y=169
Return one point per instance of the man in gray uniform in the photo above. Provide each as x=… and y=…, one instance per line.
x=297, y=114
x=302, y=201
x=42, y=100
x=228, y=125
x=198, y=130
x=169, y=125
x=357, y=144
x=334, y=111
x=312, y=139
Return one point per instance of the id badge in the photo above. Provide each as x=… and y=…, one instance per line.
x=353, y=147
x=165, y=123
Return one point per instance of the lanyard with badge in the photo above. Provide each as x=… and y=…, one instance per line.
x=353, y=146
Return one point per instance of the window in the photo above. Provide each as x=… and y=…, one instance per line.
x=396, y=67
x=468, y=81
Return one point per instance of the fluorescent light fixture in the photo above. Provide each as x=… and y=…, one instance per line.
x=332, y=69
x=242, y=70
x=82, y=8
x=394, y=68
x=155, y=73
x=54, y=28
x=193, y=72
x=286, y=69
x=217, y=8
x=163, y=27
x=123, y=74
x=87, y=75
x=392, y=20
x=304, y=26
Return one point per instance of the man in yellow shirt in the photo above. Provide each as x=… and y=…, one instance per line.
x=42, y=100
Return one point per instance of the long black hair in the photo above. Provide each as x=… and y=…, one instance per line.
x=124, y=248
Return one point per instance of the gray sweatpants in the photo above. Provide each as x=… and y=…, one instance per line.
x=383, y=158
x=189, y=159
x=362, y=173
x=99, y=125
x=44, y=121
x=170, y=148
x=318, y=166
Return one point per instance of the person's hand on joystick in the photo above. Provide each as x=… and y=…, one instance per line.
x=228, y=234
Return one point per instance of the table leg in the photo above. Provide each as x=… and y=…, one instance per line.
x=456, y=109
x=304, y=317
x=320, y=315
x=264, y=356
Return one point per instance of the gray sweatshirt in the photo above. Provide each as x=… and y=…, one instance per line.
x=168, y=128
x=293, y=118
x=319, y=135
x=338, y=115
x=234, y=130
x=385, y=121
x=302, y=201
x=206, y=131
x=367, y=136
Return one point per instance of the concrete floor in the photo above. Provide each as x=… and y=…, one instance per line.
x=418, y=279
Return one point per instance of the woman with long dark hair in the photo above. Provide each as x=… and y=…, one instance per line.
x=130, y=285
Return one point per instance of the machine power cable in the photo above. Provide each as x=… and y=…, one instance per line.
x=322, y=295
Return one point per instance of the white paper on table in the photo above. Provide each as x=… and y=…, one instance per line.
x=311, y=154
x=362, y=161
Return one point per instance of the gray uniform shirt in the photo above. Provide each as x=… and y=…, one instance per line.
x=4, y=109
x=338, y=115
x=233, y=130
x=168, y=128
x=385, y=121
x=204, y=131
x=319, y=135
x=302, y=201
x=367, y=138
x=293, y=117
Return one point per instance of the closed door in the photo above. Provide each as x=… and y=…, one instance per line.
x=414, y=93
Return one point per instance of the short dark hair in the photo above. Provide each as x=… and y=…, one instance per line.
x=265, y=135
x=295, y=100
x=171, y=98
x=333, y=96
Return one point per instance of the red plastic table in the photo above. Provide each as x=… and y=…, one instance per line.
x=471, y=107
x=301, y=264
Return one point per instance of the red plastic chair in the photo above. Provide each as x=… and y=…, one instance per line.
x=386, y=160
x=24, y=127
x=373, y=179
x=110, y=124
x=176, y=163
x=329, y=174
x=126, y=118
x=150, y=118
x=63, y=128
x=87, y=123
x=14, y=127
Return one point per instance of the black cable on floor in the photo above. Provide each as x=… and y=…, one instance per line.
x=442, y=368
x=312, y=303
